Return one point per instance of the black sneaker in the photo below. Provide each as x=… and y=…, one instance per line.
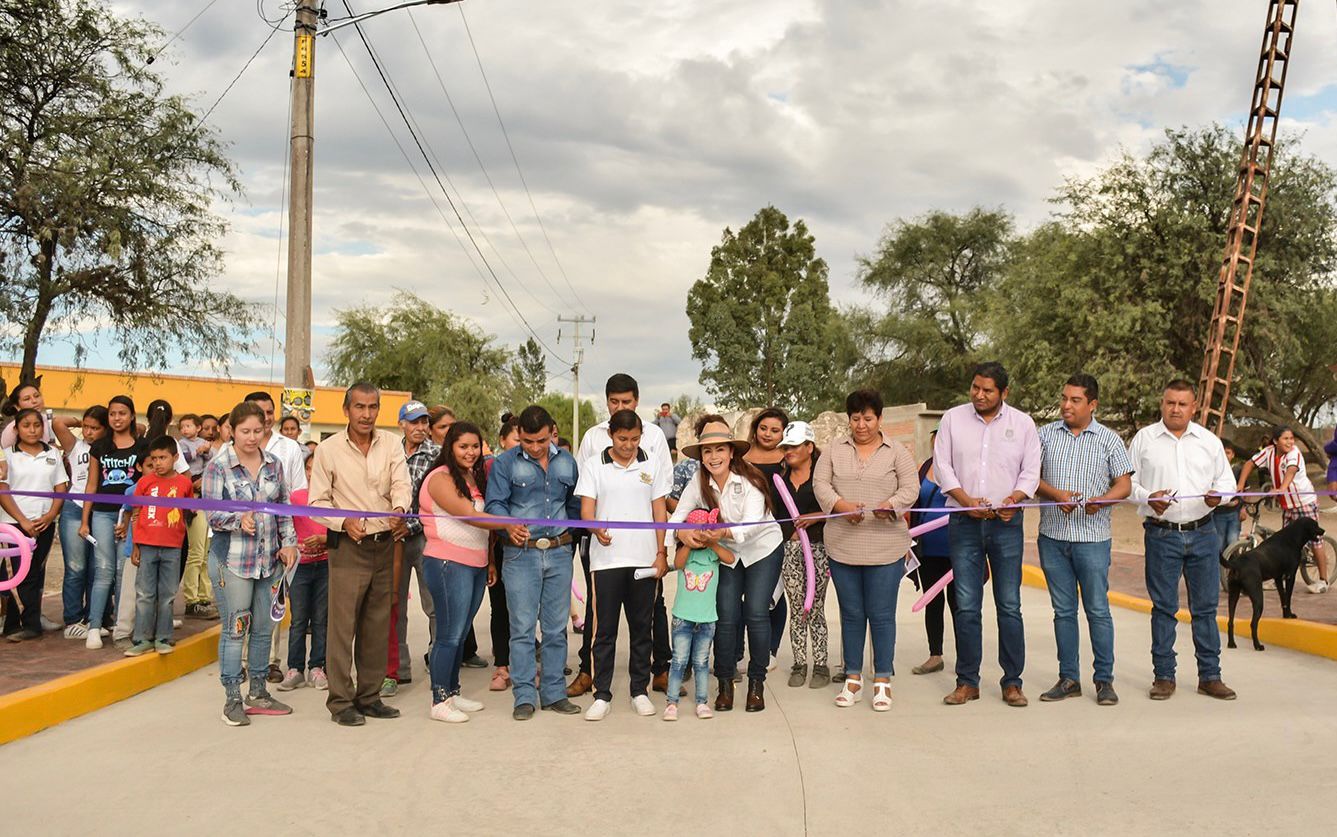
x=1105, y=695
x=1063, y=689
x=379, y=709
x=523, y=712
x=349, y=717
x=562, y=707
x=475, y=662
x=234, y=713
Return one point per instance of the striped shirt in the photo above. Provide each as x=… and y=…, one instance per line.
x=1301, y=490
x=1086, y=464
x=419, y=463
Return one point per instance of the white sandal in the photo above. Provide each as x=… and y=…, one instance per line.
x=881, y=697
x=847, y=697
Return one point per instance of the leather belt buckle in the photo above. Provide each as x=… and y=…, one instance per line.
x=545, y=543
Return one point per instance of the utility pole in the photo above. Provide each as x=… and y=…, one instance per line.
x=579, y=356
x=297, y=332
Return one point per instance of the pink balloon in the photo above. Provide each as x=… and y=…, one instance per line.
x=22, y=546
x=932, y=593
x=809, y=568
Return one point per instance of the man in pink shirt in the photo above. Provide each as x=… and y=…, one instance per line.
x=986, y=457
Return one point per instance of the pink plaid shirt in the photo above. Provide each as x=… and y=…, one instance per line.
x=987, y=460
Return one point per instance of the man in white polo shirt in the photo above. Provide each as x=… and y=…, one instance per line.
x=623, y=393
x=623, y=483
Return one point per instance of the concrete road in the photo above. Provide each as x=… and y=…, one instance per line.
x=163, y=763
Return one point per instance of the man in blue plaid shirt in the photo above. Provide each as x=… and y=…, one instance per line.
x=419, y=452
x=1084, y=467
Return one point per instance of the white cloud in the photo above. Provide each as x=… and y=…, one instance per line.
x=644, y=129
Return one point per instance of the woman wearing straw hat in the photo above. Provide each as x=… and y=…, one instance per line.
x=727, y=482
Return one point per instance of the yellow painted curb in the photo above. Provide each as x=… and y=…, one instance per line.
x=37, y=707
x=1298, y=634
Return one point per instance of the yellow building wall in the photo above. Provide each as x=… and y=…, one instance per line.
x=70, y=391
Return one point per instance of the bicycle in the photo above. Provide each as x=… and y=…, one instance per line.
x=1258, y=533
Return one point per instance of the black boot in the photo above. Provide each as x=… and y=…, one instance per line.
x=755, y=701
x=724, y=700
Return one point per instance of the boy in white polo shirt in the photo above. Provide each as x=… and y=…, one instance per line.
x=623, y=483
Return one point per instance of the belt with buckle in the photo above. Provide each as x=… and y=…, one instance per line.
x=1181, y=527
x=377, y=537
x=548, y=543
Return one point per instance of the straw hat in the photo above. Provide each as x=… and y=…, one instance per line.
x=716, y=433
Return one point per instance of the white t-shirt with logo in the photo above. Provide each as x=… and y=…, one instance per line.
x=27, y=472
x=78, y=457
x=624, y=493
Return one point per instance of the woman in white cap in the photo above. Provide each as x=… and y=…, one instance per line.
x=801, y=454
x=727, y=482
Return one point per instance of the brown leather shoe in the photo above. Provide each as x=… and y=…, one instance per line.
x=1012, y=696
x=1162, y=689
x=961, y=694
x=755, y=691
x=582, y=684
x=724, y=700
x=659, y=683
x=1216, y=689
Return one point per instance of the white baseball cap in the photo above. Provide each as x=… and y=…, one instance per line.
x=796, y=433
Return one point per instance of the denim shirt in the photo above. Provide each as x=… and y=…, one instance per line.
x=519, y=487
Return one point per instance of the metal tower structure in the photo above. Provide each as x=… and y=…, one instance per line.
x=1246, y=216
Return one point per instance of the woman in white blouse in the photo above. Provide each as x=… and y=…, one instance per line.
x=727, y=482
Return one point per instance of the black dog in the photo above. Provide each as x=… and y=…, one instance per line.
x=1277, y=558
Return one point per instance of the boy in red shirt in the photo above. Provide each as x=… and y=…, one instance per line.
x=159, y=532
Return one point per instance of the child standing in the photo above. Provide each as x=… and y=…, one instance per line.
x=30, y=465
x=623, y=483
x=309, y=597
x=1286, y=466
x=195, y=581
x=694, y=615
x=158, y=532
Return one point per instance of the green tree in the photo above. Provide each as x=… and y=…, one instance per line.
x=412, y=345
x=686, y=405
x=529, y=374
x=559, y=405
x=1122, y=284
x=933, y=274
x=106, y=185
x=762, y=322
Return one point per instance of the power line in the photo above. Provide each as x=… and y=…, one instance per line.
x=278, y=256
x=478, y=158
x=513, y=310
x=180, y=31
x=238, y=76
x=459, y=193
x=516, y=160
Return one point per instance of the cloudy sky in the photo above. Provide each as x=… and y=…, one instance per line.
x=643, y=129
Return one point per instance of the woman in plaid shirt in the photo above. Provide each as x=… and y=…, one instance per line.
x=245, y=557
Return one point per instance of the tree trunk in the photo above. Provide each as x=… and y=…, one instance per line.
x=1302, y=432
x=32, y=336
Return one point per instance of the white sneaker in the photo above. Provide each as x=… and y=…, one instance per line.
x=94, y=640
x=48, y=625
x=316, y=677
x=598, y=710
x=448, y=712
x=76, y=631
x=465, y=704
x=292, y=680
x=642, y=705
x=176, y=623
x=775, y=661
x=103, y=632
x=1319, y=586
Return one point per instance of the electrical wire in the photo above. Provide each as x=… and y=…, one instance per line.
x=237, y=77
x=512, y=310
x=516, y=160
x=181, y=31
x=278, y=256
x=478, y=159
x=408, y=123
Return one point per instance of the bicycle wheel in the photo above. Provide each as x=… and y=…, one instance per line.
x=1242, y=545
x=1309, y=567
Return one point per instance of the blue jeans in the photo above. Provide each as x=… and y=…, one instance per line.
x=867, y=597
x=243, y=607
x=78, y=558
x=106, y=568
x=538, y=591
x=155, y=588
x=457, y=591
x=973, y=542
x=1068, y=566
x=309, y=604
x=691, y=644
x=1226, y=521
x=1195, y=556
x=743, y=596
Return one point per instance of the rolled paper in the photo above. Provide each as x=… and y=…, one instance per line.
x=21, y=547
x=809, y=568
x=643, y=573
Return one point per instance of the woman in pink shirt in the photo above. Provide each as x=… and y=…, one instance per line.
x=455, y=488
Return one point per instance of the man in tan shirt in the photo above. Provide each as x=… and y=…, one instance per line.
x=360, y=468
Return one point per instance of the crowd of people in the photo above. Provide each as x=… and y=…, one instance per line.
x=436, y=501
